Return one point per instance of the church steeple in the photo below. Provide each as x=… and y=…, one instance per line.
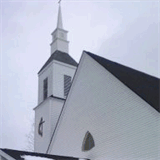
x=59, y=21
x=59, y=36
x=54, y=81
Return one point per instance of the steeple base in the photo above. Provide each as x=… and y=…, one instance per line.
x=60, y=45
x=59, y=41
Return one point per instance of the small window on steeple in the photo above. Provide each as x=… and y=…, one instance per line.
x=88, y=142
x=45, y=88
x=67, y=84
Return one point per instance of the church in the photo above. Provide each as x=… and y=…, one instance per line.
x=95, y=110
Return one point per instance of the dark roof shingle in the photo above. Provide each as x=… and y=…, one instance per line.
x=62, y=57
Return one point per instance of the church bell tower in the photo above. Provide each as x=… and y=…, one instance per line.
x=54, y=81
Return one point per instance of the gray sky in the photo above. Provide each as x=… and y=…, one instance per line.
x=123, y=31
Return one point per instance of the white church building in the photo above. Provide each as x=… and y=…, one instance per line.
x=95, y=110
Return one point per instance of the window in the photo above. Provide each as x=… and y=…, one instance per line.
x=88, y=142
x=67, y=84
x=45, y=88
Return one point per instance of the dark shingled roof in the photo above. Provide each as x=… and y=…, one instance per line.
x=17, y=155
x=62, y=57
x=144, y=85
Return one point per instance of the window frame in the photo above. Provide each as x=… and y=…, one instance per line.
x=67, y=84
x=45, y=88
x=91, y=142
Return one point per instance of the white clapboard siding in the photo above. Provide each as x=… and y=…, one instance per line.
x=50, y=108
x=123, y=125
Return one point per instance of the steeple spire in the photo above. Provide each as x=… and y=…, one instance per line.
x=59, y=35
x=59, y=21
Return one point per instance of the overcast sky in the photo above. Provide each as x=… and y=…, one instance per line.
x=126, y=32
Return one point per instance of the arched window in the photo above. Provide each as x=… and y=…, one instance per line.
x=88, y=142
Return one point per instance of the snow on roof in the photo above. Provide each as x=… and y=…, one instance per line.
x=16, y=154
x=26, y=157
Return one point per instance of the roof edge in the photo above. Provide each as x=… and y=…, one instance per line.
x=144, y=85
x=62, y=57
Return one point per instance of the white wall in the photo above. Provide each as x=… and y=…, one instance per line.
x=59, y=70
x=55, y=72
x=59, y=41
x=60, y=45
x=57, y=33
x=51, y=107
x=124, y=126
x=41, y=142
x=49, y=110
x=56, y=107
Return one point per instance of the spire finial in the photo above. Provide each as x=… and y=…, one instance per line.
x=59, y=22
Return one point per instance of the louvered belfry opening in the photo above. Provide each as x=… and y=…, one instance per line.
x=45, y=88
x=67, y=84
x=88, y=142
